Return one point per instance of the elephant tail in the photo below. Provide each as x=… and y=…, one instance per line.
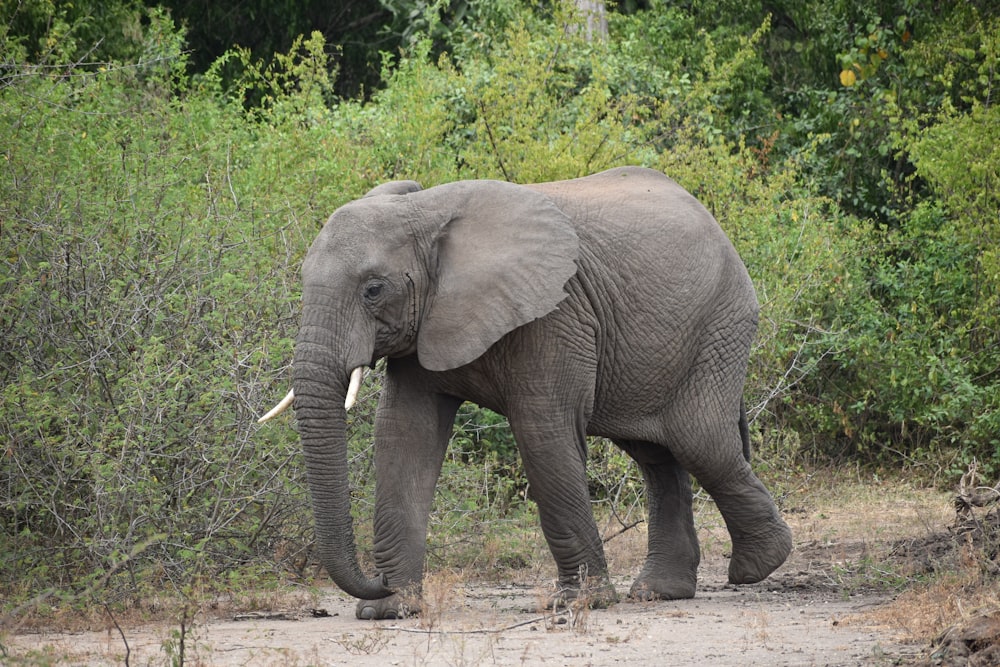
x=744, y=430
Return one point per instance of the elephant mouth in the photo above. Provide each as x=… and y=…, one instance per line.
x=353, y=389
x=396, y=333
x=411, y=329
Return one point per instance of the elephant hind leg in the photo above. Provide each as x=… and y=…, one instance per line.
x=761, y=538
x=713, y=452
x=671, y=568
x=703, y=428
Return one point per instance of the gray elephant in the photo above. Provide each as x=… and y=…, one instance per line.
x=611, y=305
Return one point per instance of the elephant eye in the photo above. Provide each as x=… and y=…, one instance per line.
x=373, y=291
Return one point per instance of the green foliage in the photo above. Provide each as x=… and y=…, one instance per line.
x=406, y=131
x=717, y=77
x=915, y=373
x=354, y=33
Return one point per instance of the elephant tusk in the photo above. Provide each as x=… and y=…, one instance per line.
x=279, y=408
x=353, y=388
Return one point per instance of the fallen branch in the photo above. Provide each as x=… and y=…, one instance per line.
x=279, y=615
x=972, y=494
x=481, y=631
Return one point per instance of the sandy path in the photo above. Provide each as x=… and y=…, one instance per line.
x=787, y=621
x=809, y=612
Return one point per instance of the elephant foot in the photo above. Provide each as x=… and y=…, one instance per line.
x=649, y=587
x=597, y=593
x=390, y=608
x=757, y=556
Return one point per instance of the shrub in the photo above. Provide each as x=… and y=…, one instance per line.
x=146, y=296
x=915, y=379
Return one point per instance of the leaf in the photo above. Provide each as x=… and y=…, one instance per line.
x=847, y=78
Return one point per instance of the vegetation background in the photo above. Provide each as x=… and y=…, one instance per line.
x=166, y=165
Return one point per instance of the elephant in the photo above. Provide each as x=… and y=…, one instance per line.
x=610, y=305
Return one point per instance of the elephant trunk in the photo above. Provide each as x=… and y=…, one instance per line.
x=319, y=407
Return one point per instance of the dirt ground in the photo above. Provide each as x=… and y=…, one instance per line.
x=821, y=608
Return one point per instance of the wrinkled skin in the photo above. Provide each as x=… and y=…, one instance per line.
x=611, y=305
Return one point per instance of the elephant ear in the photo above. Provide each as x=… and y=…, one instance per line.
x=504, y=254
x=394, y=188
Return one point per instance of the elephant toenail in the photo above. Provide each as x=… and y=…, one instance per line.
x=367, y=613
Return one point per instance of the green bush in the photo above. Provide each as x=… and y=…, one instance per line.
x=146, y=297
x=915, y=378
x=539, y=107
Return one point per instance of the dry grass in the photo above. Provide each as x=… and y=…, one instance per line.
x=367, y=642
x=755, y=629
x=197, y=605
x=626, y=551
x=939, y=581
x=962, y=586
x=442, y=592
x=832, y=506
x=923, y=613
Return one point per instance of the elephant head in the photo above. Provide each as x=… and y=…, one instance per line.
x=442, y=273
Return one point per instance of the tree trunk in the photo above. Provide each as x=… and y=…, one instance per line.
x=594, y=19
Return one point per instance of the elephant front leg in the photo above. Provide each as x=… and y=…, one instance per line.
x=402, y=570
x=397, y=605
x=557, y=477
x=411, y=436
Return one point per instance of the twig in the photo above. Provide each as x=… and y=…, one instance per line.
x=623, y=529
x=493, y=142
x=128, y=651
